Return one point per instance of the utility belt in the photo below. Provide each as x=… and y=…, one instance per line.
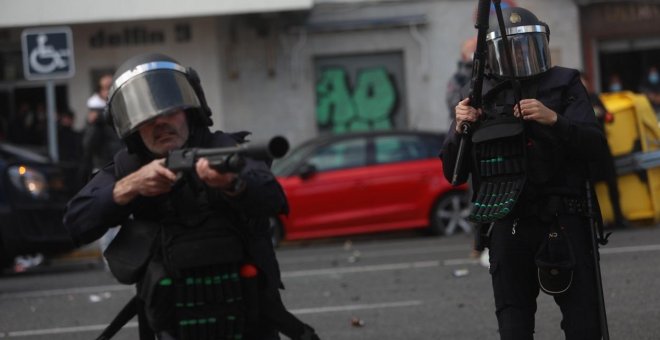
x=549, y=206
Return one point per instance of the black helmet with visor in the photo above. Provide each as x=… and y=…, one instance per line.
x=527, y=41
x=150, y=85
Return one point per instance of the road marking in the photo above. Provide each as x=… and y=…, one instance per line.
x=631, y=249
x=311, y=272
x=60, y=330
x=330, y=309
x=459, y=262
x=65, y=291
x=295, y=259
x=314, y=310
x=361, y=269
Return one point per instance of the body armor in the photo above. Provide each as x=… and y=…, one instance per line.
x=499, y=157
x=192, y=268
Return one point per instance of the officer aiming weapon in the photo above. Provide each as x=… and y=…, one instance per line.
x=229, y=159
x=596, y=239
x=476, y=83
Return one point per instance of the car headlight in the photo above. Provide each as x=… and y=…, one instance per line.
x=28, y=180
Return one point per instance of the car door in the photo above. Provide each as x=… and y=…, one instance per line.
x=402, y=181
x=327, y=201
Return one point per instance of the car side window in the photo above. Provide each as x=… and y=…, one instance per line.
x=341, y=155
x=392, y=149
x=433, y=145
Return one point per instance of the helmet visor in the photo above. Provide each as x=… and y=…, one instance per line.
x=529, y=52
x=150, y=94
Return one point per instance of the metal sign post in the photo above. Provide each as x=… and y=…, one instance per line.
x=48, y=55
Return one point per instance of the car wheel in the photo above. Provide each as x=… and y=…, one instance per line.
x=276, y=231
x=449, y=214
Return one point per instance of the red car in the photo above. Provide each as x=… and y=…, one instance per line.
x=368, y=182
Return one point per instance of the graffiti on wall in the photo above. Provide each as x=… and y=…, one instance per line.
x=368, y=105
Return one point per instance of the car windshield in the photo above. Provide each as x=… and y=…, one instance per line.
x=284, y=166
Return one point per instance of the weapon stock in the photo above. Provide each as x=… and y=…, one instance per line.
x=229, y=159
x=476, y=83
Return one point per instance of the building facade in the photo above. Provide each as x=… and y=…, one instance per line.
x=297, y=68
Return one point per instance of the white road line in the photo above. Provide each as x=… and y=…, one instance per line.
x=314, y=310
x=342, y=254
x=60, y=330
x=459, y=262
x=631, y=249
x=361, y=269
x=311, y=272
x=65, y=291
x=330, y=309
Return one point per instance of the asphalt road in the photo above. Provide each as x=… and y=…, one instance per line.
x=394, y=286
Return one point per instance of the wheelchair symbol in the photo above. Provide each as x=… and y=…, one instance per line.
x=45, y=58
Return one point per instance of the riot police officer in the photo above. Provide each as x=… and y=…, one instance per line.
x=529, y=148
x=196, y=242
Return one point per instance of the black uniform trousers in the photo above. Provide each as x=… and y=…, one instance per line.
x=515, y=278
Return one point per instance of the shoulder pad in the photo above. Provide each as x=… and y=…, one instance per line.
x=126, y=163
x=240, y=136
x=558, y=77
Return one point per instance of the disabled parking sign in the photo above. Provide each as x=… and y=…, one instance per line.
x=47, y=53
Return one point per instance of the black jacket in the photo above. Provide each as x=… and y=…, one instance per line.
x=92, y=211
x=564, y=147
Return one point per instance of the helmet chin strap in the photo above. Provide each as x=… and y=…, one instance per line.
x=515, y=83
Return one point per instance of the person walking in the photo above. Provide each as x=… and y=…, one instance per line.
x=530, y=145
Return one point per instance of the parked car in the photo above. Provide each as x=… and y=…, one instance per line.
x=33, y=195
x=368, y=182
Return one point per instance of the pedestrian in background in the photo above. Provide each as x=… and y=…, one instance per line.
x=651, y=88
x=605, y=170
x=69, y=141
x=461, y=77
x=99, y=143
x=614, y=83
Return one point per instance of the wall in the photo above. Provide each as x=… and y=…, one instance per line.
x=276, y=94
x=106, y=46
x=259, y=70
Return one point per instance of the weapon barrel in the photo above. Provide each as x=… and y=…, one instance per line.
x=476, y=84
x=276, y=147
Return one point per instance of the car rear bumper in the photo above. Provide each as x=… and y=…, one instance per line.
x=28, y=231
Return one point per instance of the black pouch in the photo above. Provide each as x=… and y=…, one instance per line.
x=499, y=160
x=191, y=250
x=200, y=282
x=129, y=252
x=555, y=261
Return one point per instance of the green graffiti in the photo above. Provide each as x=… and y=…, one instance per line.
x=374, y=95
x=369, y=107
x=334, y=105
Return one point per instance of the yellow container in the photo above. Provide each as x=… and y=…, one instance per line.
x=633, y=132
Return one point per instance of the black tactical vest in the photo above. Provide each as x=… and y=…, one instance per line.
x=196, y=281
x=516, y=163
x=499, y=157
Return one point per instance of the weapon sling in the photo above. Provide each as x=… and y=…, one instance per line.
x=595, y=240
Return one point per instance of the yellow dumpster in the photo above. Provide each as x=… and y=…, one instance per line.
x=634, y=139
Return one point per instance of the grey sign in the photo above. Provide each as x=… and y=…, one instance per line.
x=47, y=53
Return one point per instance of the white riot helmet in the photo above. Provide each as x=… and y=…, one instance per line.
x=151, y=85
